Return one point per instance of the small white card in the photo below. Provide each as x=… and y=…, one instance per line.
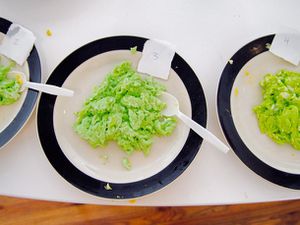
x=156, y=58
x=17, y=43
x=287, y=46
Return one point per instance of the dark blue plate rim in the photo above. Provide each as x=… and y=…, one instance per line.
x=30, y=100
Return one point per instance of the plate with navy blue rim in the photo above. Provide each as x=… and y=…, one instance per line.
x=94, y=186
x=31, y=97
x=251, y=50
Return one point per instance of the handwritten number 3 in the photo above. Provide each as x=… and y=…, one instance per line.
x=155, y=55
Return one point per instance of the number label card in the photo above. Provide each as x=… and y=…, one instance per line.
x=156, y=58
x=287, y=46
x=17, y=43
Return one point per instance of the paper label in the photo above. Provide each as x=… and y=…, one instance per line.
x=287, y=46
x=17, y=43
x=156, y=58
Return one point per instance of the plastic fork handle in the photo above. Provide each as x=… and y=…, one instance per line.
x=204, y=133
x=50, y=89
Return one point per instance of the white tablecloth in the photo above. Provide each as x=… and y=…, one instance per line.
x=206, y=34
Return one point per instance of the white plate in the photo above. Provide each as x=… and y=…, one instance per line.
x=87, y=159
x=282, y=157
x=279, y=164
x=14, y=116
x=82, y=165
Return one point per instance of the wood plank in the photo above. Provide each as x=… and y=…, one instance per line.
x=15, y=211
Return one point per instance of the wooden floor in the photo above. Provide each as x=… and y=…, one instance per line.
x=24, y=211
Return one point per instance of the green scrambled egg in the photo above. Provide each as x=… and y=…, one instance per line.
x=9, y=87
x=125, y=108
x=278, y=114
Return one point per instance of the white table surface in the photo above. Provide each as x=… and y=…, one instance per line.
x=206, y=35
